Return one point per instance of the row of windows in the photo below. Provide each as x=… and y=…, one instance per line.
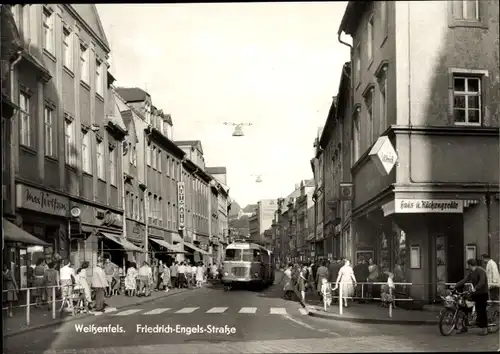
x=467, y=110
x=154, y=160
x=22, y=16
x=462, y=10
x=70, y=148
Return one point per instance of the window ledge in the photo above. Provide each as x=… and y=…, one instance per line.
x=384, y=40
x=27, y=149
x=370, y=63
x=87, y=174
x=70, y=167
x=101, y=180
x=68, y=71
x=51, y=158
x=113, y=184
x=49, y=55
x=84, y=84
x=468, y=24
x=99, y=97
x=358, y=84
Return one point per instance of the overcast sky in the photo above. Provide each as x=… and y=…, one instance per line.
x=275, y=65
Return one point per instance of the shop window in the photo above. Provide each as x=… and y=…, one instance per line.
x=400, y=257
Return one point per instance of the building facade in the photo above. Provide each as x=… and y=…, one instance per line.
x=158, y=195
x=328, y=142
x=223, y=204
x=302, y=205
x=65, y=135
x=422, y=101
x=317, y=245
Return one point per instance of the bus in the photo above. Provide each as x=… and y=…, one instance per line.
x=247, y=263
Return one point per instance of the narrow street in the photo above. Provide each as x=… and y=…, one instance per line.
x=262, y=322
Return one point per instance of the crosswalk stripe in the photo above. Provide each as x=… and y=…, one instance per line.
x=303, y=312
x=188, y=310
x=217, y=310
x=277, y=311
x=248, y=310
x=128, y=312
x=156, y=311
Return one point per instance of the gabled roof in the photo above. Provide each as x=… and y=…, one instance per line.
x=89, y=14
x=132, y=94
x=193, y=143
x=216, y=170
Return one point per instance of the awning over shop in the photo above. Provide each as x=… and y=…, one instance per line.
x=128, y=246
x=194, y=248
x=165, y=244
x=13, y=233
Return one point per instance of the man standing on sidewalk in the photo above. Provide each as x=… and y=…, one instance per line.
x=67, y=278
x=99, y=283
x=173, y=274
x=159, y=282
x=493, y=277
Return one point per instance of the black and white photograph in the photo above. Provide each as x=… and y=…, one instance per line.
x=250, y=177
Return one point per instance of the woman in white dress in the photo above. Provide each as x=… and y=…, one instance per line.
x=131, y=280
x=347, y=280
x=200, y=274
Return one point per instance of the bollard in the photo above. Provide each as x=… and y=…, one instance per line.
x=362, y=291
x=28, y=307
x=54, y=303
x=340, y=299
x=390, y=303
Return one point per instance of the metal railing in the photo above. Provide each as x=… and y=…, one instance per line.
x=29, y=303
x=392, y=293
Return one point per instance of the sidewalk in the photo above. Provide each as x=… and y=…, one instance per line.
x=374, y=313
x=40, y=318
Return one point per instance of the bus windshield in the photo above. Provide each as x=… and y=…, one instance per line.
x=242, y=255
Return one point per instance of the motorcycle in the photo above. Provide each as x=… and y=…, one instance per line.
x=460, y=313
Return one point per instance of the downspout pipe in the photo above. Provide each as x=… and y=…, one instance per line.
x=351, y=101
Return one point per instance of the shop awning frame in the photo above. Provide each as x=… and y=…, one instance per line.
x=167, y=245
x=194, y=248
x=13, y=233
x=125, y=244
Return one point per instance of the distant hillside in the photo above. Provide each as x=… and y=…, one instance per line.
x=250, y=208
x=235, y=209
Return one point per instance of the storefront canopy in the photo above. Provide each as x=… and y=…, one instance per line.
x=194, y=248
x=128, y=246
x=13, y=233
x=163, y=243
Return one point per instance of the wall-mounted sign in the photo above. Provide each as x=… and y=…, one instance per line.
x=383, y=155
x=428, y=206
x=112, y=220
x=181, y=203
x=41, y=201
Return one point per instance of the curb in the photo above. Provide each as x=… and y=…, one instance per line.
x=74, y=318
x=318, y=314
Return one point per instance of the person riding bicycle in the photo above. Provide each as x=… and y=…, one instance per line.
x=478, y=278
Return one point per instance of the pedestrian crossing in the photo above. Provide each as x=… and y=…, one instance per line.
x=213, y=311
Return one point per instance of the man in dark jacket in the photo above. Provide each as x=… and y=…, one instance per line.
x=361, y=273
x=478, y=278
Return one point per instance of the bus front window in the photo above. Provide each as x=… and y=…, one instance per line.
x=251, y=256
x=233, y=255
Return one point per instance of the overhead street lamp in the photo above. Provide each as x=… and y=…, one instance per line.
x=258, y=178
x=238, y=131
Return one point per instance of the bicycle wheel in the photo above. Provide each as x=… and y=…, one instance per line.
x=447, y=322
x=493, y=319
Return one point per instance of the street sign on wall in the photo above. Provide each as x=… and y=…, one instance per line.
x=181, y=204
x=383, y=155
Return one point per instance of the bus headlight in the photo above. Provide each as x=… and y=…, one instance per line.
x=226, y=274
x=256, y=275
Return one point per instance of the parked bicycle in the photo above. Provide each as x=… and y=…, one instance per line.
x=459, y=313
